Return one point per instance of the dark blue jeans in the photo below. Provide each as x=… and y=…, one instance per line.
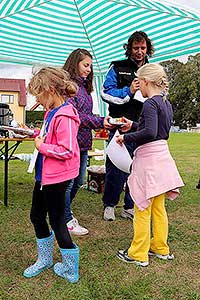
x=114, y=182
x=74, y=185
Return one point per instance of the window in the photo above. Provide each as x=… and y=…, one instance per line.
x=8, y=99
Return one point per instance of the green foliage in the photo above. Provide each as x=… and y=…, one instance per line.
x=184, y=90
x=32, y=116
x=102, y=275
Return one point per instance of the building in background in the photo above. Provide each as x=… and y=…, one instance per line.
x=13, y=93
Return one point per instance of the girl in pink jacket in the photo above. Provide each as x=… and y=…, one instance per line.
x=57, y=162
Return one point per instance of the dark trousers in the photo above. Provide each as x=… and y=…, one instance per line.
x=50, y=200
x=115, y=180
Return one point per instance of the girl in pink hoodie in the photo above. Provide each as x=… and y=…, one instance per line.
x=57, y=162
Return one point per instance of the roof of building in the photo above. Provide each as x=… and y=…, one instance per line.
x=14, y=85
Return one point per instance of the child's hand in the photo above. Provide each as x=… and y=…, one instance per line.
x=38, y=141
x=24, y=126
x=120, y=139
x=127, y=125
x=106, y=123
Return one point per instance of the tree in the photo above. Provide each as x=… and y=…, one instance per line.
x=184, y=91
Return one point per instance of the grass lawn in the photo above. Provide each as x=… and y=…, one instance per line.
x=102, y=275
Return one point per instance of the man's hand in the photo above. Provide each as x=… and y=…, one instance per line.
x=134, y=86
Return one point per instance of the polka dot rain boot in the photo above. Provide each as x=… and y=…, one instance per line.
x=69, y=267
x=45, y=248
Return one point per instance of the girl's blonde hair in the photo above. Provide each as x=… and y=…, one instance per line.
x=52, y=79
x=155, y=73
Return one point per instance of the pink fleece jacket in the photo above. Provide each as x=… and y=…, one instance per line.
x=61, y=154
x=153, y=173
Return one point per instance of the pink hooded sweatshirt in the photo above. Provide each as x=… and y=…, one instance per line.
x=61, y=154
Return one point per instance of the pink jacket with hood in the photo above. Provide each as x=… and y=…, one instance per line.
x=61, y=154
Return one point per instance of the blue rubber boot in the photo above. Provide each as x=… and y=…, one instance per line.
x=45, y=248
x=69, y=266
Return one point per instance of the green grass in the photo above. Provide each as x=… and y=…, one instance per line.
x=102, y=275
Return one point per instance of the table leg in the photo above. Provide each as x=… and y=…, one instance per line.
x=6, y=175
x=7, y=157
x=88, y=164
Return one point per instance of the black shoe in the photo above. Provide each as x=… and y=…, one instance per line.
x=123, y=255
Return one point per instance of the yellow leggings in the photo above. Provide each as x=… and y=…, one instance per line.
x=142, y=241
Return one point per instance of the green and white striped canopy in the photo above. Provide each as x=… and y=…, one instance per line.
x=46, y=31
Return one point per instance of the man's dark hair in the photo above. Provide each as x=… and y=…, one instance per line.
x=138, y=36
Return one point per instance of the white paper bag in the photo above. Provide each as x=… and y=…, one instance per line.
x=35, y=154
x=119, y=155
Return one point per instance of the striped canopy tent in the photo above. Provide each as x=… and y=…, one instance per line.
x=46, y=31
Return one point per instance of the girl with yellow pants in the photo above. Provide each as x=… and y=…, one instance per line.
x=154, y=174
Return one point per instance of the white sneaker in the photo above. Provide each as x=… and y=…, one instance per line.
x=164, y=257
x=127, y=213
x=109, y=213
x=76, y=229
